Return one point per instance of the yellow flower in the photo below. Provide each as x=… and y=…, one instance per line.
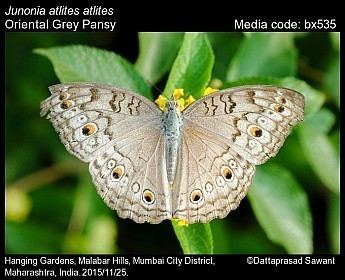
x=180, y=104
x=161, y=101
x=178, y=96
x=209, y=90
x=189, y=100
x=178, y=93
x=181, y=222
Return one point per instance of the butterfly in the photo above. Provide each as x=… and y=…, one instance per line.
x=150, y=165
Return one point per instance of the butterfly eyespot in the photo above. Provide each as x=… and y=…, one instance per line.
x=232, y=163
x=196, y=196
x=261, y=120
x=117, y=173
x=135, y=187
x=92, y=141
x=148, y=197
x=255, y=131
x=209, y=187
x=226, y=173
x=82, y=118
x=63, y=96
x=281, y=99
x=220, y=181
x=111, y=164
x=66, y=104
x=278, y=108
x=89, y=129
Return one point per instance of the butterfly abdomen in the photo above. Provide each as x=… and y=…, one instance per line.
x=172, y=124
x=171, y=152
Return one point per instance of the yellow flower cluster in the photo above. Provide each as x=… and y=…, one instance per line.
x=178, y=95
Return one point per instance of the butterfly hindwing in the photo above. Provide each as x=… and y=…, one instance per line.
x=211, y=178
x=130, y=177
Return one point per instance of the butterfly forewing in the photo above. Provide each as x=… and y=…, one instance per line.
x=255, y=120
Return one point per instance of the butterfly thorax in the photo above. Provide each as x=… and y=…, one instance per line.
x=172, y=125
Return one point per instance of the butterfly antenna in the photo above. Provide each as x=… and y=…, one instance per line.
x=155, y=87
x=158, y=89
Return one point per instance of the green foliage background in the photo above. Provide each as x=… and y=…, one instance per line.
x=51, y=204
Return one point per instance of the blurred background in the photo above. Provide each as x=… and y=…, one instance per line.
x=51, y=203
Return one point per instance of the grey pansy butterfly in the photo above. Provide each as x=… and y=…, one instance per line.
x=194, y=165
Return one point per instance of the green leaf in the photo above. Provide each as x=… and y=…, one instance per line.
x=231, y=238
x=290, y=154
x=193, y=66
x=335, y=39
x=332, y=80
x=157, y=52
x=86, y=64
x=224, y=45
x=221, y=240
x=194, y=238
x=264, y=54
x=333, y=226
x=334, y=137
x=319, y=151
x=322, y=121
x=282, y=209
x=314, y=99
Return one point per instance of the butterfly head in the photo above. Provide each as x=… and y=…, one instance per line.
x=177, y=100
x=172, y=106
